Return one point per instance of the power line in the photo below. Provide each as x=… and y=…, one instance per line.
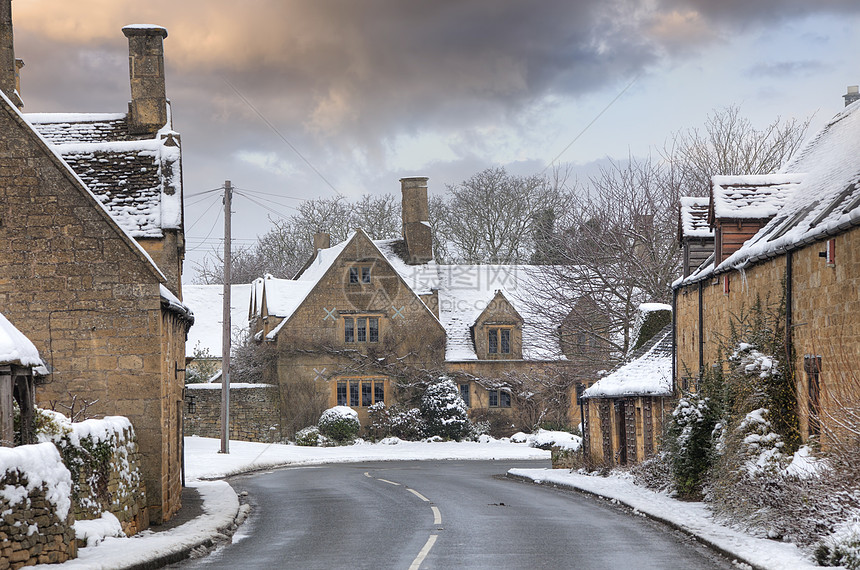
x=270, y=201
x=265, y=207
x=204, y=192
x=218, y=217
x=282, y=137
x=206, y=211
x=270, y=194
x=594, y=120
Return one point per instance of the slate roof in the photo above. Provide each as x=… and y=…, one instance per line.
x=647, y=372
x=825, y=202
x=757, y=196
x=694, y=218
x=136, y=178
x=464, y=292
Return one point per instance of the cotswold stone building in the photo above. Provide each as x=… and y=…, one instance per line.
x=365, y=315
x=791, y=238
x=91, y=251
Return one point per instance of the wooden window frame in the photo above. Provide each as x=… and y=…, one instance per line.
x=495, y=334
x=466, y=394
x=360, y=391
x=361, y=329
x=502, y=398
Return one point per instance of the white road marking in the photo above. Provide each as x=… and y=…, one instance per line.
x=389, y=482
x=419, y=495
x=416, y=564
x=437, y=516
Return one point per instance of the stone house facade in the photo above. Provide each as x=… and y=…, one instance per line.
x=804, y=255
x=92, y=251
x=365, y=315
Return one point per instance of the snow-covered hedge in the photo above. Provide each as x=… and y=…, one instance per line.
x=102, y=456
x=340, y=424
x=445, y=414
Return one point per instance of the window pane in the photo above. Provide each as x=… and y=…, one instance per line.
x=378, y=392
x=493, y=340
x=504, y=399
x=506, y=340
x=374, y=329
x=361, y=325
x=353, y=274
x=366, y=394
x=353, y=393
x=341, y=393
x=466, y=395
x=494, y=398
x=348, y=330
x=365, y=274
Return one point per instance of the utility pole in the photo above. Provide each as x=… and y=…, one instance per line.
x=225, y=338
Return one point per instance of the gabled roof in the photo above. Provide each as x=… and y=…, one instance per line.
x=693, y=221
x=826, y=202
x=758, y=196
x=464, y=291
x=648, y=372
x=15, y=348
x=136, y=178
x=64, y=169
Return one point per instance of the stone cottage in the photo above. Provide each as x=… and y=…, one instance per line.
x=92, y=251
x=790, y=237
x=365, y=315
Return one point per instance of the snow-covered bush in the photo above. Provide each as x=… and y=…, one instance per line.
x=339, y=424
x=444, y=411
x=395, y=421
x=689, y=443
x=546, y=439
x=842, y=548
x=310, y=437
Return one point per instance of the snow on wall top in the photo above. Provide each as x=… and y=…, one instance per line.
x=751, y=196
x=15, y=348
x=206, y=301
x=42, y=465
x=648, y=372
x=136, y=179
x=694, y=218
x=825, y=202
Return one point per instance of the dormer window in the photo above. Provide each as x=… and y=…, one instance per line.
x=359, y=274
x=499, y=340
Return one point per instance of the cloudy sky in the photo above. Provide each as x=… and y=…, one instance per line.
x=368, y=91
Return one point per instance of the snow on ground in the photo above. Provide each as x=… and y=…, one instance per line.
x=202, y=460
x=220, y=505
x=692, y=517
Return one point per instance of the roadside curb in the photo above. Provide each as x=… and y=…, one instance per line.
x=732, y=556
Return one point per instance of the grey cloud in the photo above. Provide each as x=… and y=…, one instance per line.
x=786, y=68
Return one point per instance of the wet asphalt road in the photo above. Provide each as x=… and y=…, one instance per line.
x=439, y=514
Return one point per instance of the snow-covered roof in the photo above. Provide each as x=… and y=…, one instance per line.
x=757, y=196
x=826, y=202
x=15, y=348
x=648, y=372
x=464, y=291
x=137, y=179
x=207, y=302
x=694, y=218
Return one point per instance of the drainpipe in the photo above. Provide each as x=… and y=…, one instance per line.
x=701, y=337
x=674, y=340
x=789, y=264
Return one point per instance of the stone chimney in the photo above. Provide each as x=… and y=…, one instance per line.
x=322, y=240
x=852, y=95
x=416, y=219
x=8, y=70
x=147, y=111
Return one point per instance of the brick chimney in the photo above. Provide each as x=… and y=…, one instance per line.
x=8, y=70
x=852, y=95
x=147, y=111
x=416, y=219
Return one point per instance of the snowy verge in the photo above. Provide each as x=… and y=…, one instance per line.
x=220, y=508
x=202, y=460
x=689, y=517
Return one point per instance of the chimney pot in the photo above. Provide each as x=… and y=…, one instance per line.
x=852, y=95
x=147, y=111
x=8, y=70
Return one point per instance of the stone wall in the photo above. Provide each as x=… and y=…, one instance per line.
x=254, y=412
x=37, y=523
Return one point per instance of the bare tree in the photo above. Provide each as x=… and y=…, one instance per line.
x=284, y=249
x=491, y=217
